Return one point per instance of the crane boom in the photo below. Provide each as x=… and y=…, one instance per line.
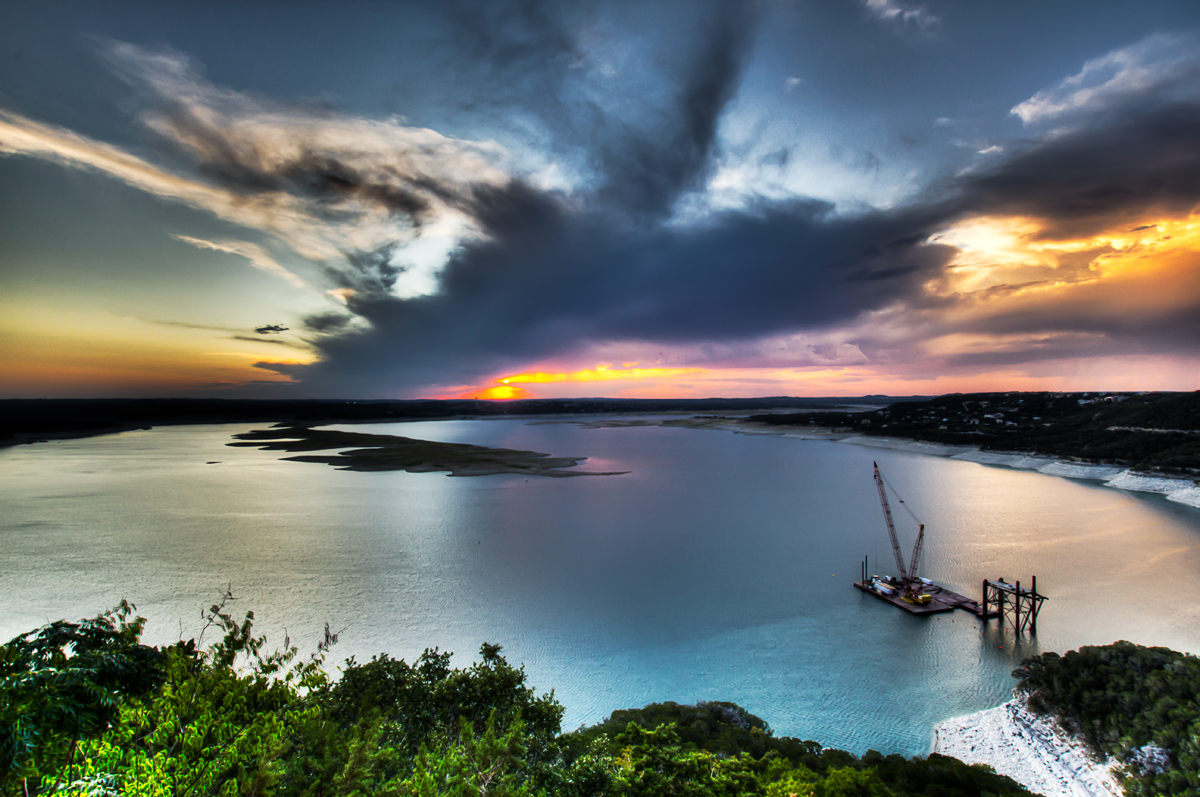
x=916, y=557
x=891, y=527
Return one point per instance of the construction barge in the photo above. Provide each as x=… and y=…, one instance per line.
x=940, y=598
x=920, y=596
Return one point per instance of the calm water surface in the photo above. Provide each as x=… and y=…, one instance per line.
x=718, y=569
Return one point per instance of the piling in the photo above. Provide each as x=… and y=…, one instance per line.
x=1017, y=608
x=1033, y=618
x=1025, y=604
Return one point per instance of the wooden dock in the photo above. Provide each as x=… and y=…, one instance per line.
x=941, y=600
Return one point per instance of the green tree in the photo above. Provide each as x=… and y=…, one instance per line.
x=219, y=721
x=653, y=764
x=474, y=765
x=66, y=683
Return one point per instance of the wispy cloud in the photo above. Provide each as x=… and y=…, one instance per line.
x=339, y=183
x=259, y=258
x=20, y=135
x=320, y=183
x=188, y=325
x=272, y=341
x=1152, y=67
x=904, y=15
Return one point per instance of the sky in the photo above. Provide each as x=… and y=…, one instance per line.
x=371, y=200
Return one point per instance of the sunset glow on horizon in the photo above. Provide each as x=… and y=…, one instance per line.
x=601, y=373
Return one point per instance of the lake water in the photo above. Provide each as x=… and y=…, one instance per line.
x=720, y=568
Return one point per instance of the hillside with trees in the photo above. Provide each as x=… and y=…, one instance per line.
x=1140, y=705
x=1143, y=431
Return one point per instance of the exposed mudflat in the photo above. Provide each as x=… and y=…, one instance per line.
x=381, y=452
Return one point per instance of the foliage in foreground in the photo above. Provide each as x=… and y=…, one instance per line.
x=86, y=709
x=1135, y=703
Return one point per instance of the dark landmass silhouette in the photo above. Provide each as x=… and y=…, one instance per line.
x=1142, y=431
x=31, y=420
x=383, y=452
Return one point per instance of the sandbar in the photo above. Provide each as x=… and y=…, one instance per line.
x=381, y=452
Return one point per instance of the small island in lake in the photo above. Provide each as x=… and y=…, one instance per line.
x=384, y=452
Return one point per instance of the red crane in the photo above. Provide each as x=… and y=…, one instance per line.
x=907, y=577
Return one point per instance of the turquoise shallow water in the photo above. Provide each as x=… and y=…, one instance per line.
x=719, y=568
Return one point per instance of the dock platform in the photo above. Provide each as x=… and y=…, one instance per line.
x=941, y=600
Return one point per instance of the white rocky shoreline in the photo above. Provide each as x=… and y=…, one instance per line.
x=1033, y=750
x=1179, y=489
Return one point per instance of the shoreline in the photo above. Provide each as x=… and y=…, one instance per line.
x=1178, y=489
x=1033, y=750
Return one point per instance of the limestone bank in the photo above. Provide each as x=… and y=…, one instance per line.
x=1033, y=750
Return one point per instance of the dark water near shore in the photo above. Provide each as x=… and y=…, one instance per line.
x=720, y=568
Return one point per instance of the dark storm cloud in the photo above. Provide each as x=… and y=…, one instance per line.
x=371, y=275
x=1138, y=158
x=243, y=167
x=645, y=170
x=643, y=140
x=326, y=323
x=549, y=277
x=1043, y=348
x=1143, y=158
x=547, y=280
x=611, y=259
x=271, y=329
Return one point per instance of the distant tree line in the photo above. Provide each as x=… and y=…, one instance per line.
x=1143, y=431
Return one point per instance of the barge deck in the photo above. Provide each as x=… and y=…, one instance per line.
x=941, y=600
